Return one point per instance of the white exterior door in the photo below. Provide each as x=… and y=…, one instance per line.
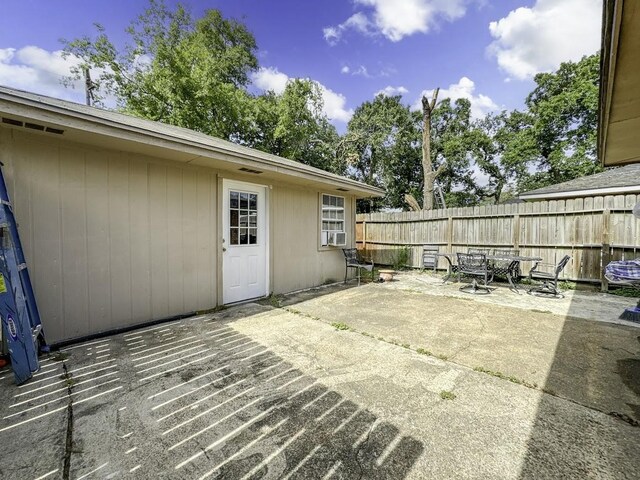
x=244, y=257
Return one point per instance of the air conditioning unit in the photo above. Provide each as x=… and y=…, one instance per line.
x=337, y=239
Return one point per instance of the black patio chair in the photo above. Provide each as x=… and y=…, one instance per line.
x=483, y=251
x=474, y=265
x=501, y=267
x=549, y=279
x=429, y=257
x=353, y=259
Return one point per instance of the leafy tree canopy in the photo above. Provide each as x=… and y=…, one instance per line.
x=175, y=69
x=195, y=73
x=561, y=141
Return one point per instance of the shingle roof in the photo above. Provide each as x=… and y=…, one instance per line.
x=614, y=180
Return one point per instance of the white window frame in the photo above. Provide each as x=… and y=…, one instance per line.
x=325, y=216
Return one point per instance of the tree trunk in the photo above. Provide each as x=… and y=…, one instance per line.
x=413, y=203
x=429, y=174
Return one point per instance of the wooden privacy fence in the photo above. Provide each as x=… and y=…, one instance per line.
x=593, y=230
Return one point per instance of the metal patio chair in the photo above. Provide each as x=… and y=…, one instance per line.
x=353, y=259
x=429, y=257
x=476, y=266
x=501, y=267
x=483, y=251
x=549, y=279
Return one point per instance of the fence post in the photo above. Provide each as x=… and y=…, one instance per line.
x=449, y=234
x=515, y=235
x=364, y=234
x=605, y=249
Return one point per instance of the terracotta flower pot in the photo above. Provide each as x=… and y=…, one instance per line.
x=387, y=275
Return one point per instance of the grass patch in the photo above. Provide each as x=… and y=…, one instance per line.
x=423, y=351
x=59, y=357
x=400, y=258
x=447, y=395
x=274, y=300
x=566, y=285
x=340, y=326
x=502, y=376
x=406, y=345
x=442, y=356
x=626, y=292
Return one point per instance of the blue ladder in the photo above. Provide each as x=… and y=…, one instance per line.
x=21, y=324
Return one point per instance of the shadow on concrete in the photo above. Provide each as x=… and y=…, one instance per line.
x=228, y=408
x=312, y=429
x=588, y=357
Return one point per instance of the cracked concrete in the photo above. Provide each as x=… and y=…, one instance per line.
x=258, y=392
x=592, y=362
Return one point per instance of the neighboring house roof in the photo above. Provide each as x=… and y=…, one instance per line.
x=619, y=109
x=614, y=181
x=115, y=130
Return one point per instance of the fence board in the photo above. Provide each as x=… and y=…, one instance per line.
x=548, y=229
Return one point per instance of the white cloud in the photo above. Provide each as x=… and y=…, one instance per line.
x=335, y=105
x=270, y=78
x=390, y=91
x=537, y=39
x=40, y=71
x=465, y=88
x=396, y=19
x=362, y=71
x=358, y=22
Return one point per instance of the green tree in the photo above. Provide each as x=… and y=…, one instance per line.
x=293, y=125
x=452, y=146
x=175, y=69
x=499, y=151
x=303, y=132
x=380, y=148
x=561, y=141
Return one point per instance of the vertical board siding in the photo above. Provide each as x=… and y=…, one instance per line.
x=297, y=261
x=111, y=238
x=548, y=229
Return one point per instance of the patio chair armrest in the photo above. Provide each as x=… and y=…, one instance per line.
x=541, y=264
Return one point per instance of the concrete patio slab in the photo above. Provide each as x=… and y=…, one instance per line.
x=594, y=363
x=260, y=392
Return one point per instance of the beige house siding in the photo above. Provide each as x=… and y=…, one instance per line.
x=114, y=238
x=298, y=260
x=106, y=234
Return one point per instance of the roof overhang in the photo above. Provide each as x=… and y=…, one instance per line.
x=619, y=108
x=581, y=193
x=116, y=131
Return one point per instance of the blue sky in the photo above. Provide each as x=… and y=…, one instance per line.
x=487, y=51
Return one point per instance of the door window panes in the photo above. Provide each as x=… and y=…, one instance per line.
x=243, y=218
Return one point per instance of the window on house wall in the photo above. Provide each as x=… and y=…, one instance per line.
x=333, y=221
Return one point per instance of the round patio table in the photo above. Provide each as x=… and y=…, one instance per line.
x=511, y=272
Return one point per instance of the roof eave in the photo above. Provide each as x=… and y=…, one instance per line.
x=261, y=160
x=594, y=192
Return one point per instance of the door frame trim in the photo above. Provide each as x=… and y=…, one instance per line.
x=223, y=183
